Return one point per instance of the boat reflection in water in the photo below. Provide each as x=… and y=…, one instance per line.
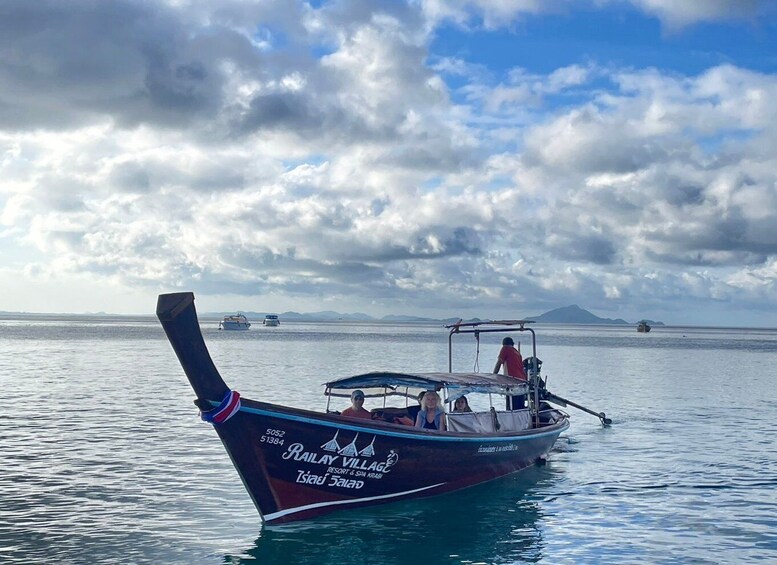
x=298, y=464
x=500, y=521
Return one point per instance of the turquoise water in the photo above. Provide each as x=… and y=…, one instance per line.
x=105, y=461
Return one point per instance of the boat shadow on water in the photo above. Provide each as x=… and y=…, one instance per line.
x=499, y=520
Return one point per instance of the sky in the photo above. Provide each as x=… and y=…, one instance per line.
x=490, y=158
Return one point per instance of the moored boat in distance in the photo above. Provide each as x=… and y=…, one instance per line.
x=643, y=327
x=235, y=322
x=271, y=320
x=297, y=464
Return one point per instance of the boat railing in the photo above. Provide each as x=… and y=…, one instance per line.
x=490, y=326
x=500, y=326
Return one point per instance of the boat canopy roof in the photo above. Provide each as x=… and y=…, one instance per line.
x=401, y=384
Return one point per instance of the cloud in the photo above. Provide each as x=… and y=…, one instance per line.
x=324, y=152
x=68, y=64
x=494, y=14
x=642, y=181
x=680, y=14
x=673, y=14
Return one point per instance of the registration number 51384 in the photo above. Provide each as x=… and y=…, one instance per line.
x=273, y=436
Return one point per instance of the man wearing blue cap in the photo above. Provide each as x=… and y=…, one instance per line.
x=356, y=409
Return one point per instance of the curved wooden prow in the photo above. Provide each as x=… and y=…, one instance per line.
x=179, y=320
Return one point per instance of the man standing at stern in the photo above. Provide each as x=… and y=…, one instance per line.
x=511, y=359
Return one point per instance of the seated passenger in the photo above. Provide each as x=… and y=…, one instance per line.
x=461, y=405
x=431, y=416
x=356, y=409
x=412, y=411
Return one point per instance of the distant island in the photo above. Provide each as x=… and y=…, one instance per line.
x=567, y=315
x=576, y=315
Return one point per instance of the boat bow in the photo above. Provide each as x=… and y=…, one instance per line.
x=178, y=316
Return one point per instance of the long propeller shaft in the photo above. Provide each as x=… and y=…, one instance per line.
x=564, y=402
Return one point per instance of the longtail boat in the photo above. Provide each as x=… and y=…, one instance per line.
x=298, y=464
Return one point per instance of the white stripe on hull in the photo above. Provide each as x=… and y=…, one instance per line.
x=276, y=515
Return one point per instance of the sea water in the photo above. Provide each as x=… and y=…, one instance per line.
x=104, y=460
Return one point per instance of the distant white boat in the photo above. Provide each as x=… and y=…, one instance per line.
x=271, y=320
x=236, y=322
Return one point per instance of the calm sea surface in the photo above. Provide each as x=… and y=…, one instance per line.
x=104, y=460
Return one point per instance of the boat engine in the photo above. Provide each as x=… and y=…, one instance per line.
x=528, y=365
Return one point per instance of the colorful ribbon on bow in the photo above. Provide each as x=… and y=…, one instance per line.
x=224, y=411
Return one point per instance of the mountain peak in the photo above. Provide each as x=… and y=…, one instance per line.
x=574, y=315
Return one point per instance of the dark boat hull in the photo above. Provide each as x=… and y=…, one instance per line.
x=297, y=464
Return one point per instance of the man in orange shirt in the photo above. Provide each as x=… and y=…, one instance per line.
x=356, y=410
x=511, y=358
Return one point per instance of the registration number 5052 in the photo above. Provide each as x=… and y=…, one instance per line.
x=273, y=436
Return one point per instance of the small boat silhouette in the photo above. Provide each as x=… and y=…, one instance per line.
x=332, y=444
x=368, y=451
x=350, y=449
